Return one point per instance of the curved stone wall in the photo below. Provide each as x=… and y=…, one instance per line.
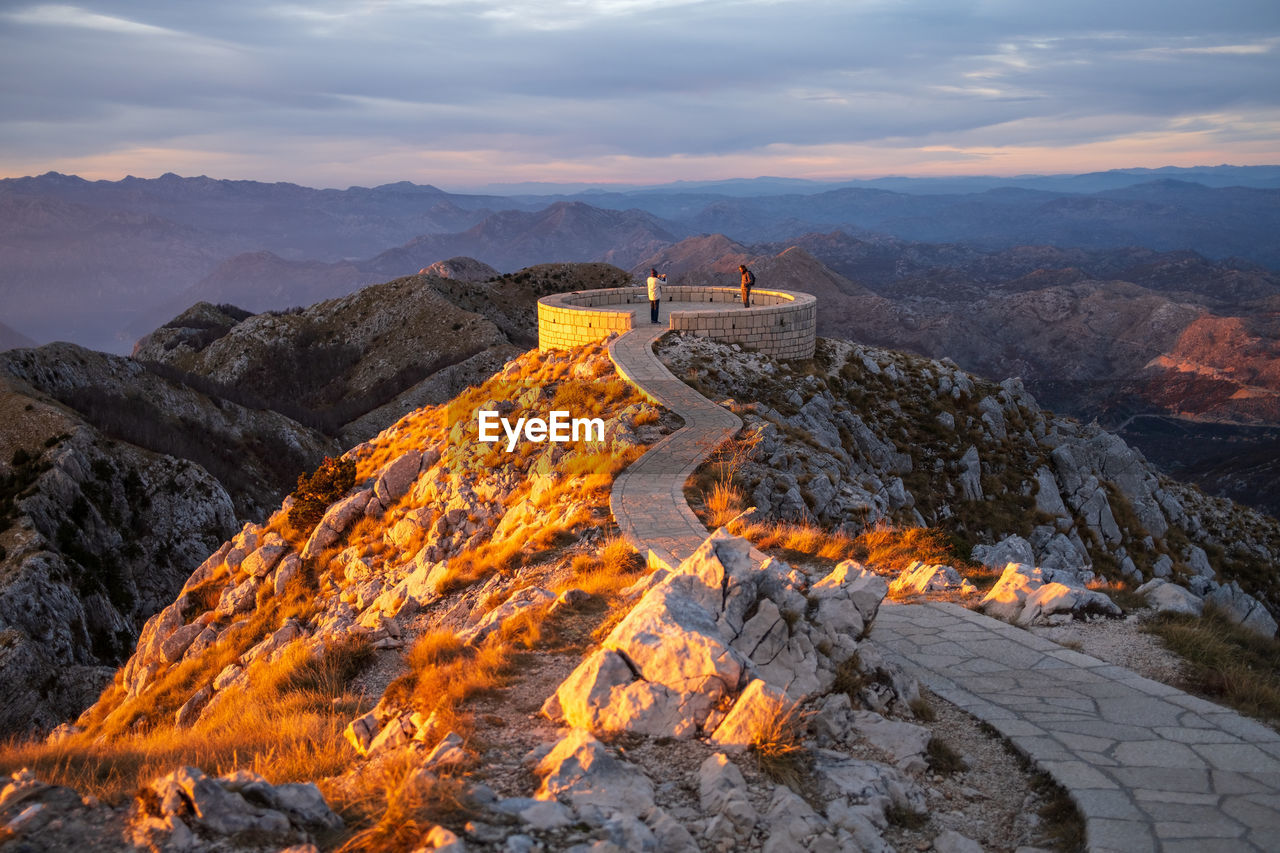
x=568, y=319
x=780, y=323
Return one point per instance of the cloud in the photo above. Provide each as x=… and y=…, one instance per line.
x=628, y=84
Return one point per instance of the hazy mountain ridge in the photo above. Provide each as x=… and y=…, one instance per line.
x=563, y=232
x=124, y=249
x=13, y=339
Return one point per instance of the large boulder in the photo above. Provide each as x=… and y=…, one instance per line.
x=1243, y=609
x=335, y=522
x=1025, y=594
x=703, y=631
x=1011, y=549
x=670, y=660
x=1168, y=597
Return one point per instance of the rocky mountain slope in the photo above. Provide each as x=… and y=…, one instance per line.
x=418, y=646
x=352, y=365
x=255, y=453
x=417, y=650
x=95, y=536
x=1096, y=334
x=866, y=435
x=161, y=445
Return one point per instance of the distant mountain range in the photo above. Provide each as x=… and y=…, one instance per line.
x=101, y=262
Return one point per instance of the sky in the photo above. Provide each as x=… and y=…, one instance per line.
x=462, y=93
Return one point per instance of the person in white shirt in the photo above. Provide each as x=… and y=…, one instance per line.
x=655, y=293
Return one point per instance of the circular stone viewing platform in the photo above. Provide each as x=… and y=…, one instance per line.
x=780, y=323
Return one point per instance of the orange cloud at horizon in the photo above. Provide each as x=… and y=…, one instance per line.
x=343, y=164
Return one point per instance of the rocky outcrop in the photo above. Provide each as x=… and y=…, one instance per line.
x=388, y=548
x=869, y=435
x=184, y=810
x=1026, y=595
x=716, y=632
x=101, y=538
x=918, y=578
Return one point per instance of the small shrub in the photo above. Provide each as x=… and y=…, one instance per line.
x=923, y=709
x=723, y=504
x=796, y=541
x=850, y=679
x=942, y=758
x=905, y=818
x=397, y=804
x=889, y=549
x=315, y=493
x=1060, y=821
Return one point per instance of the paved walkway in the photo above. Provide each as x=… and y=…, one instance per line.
x=1150, y=767
x=648, y=498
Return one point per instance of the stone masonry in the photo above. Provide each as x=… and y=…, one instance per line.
x=779, y=323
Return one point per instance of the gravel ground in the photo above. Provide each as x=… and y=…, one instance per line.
x=1121, y=642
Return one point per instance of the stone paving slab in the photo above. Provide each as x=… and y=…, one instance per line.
x=1150, y=767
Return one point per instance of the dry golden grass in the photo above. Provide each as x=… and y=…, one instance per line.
x=647, y=416
x=795, y=539
x=725, y=502
x=888, y=550
x=397, y=804
x=443, y=674
x=778, y=746
x=1226, y=661
x=287, y=726
x=603, y=575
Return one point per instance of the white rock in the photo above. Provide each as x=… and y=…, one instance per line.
x=1167, y=597
x=520, y=600
x=1011, y=549
x=582, y=770
x=1025, y=593
x=921, y=577
x=904, y=743
x=793, y=824
x=950, y=841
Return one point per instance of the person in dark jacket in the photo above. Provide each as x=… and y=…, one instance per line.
x=748, y=282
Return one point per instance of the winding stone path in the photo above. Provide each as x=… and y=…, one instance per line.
x=648, y=498
x=1150, y=767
